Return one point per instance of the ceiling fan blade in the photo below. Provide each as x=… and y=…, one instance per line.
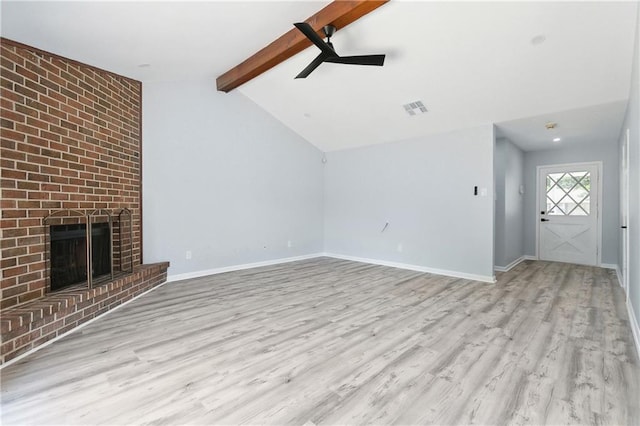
x=313, y=65
x=307, y=30
x=358, y=60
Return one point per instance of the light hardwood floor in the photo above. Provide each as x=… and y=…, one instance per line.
x=327, y=341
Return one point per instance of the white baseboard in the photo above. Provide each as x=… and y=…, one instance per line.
x=609, y=266
x=635, y=329
x=206, y=272
x=456, y=274
x=214, y=271
x=511, y=265
x=633, y=321
x=619, y=277
x=529, y=257
x=81, y=326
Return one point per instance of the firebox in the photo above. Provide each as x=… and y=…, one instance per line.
x=69, y=253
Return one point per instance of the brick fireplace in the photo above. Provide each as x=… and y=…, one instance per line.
x=71, y=141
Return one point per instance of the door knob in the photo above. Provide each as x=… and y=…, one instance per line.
x=544, y=220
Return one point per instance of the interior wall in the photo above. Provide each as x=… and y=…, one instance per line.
x=607, y=152
x=224, y=180
x=509, y=212
x=631, y=122
x=423, y=188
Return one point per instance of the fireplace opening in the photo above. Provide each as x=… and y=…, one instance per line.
x=69, y=253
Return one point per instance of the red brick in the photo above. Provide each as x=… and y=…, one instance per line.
x=13, y=174
x=31, y=277
x=14, y=232
x=8, y=204
x=13, y=116
x=29, y=259
x=26, y=73
x=35, y=186
x=6, y=263
x=25, y=297
x=27, y=338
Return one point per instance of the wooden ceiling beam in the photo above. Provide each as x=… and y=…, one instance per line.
x=339, y=13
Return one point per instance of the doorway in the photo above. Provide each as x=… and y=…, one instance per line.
x=569, y=220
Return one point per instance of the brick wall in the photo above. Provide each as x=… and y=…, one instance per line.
x=70, y=139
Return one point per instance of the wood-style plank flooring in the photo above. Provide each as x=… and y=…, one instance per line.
x=328, y=341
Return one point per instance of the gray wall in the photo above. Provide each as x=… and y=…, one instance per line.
x=631, y=122
x=607, y=152
x=509, y=213
x=225, y=180
x=424, y=189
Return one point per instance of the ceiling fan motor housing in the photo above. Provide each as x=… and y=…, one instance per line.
x=329, y=30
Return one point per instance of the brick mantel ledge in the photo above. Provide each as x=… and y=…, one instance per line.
x=31, y=324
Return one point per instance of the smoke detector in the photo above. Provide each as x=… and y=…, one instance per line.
x=538, y=40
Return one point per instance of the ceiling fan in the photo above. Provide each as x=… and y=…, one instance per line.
x=328, y=53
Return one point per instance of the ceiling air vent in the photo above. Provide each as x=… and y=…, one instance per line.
x=414, y=108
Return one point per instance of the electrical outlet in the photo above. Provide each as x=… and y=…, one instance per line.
x=399, y=248
x=289, y=244
x=188, y=255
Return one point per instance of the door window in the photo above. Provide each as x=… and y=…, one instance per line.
x=568, y=194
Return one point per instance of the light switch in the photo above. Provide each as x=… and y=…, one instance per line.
x=483, y=192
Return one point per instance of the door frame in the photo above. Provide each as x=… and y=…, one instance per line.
x=598, y=164
x=625, y=195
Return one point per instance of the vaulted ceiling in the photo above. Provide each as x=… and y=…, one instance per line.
x=516, y=64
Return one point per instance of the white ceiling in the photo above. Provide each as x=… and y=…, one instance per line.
x=178, y=39
x=470, y=63
x=595, y=124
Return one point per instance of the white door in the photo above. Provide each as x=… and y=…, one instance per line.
x=568, y=213
x=624, y=207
